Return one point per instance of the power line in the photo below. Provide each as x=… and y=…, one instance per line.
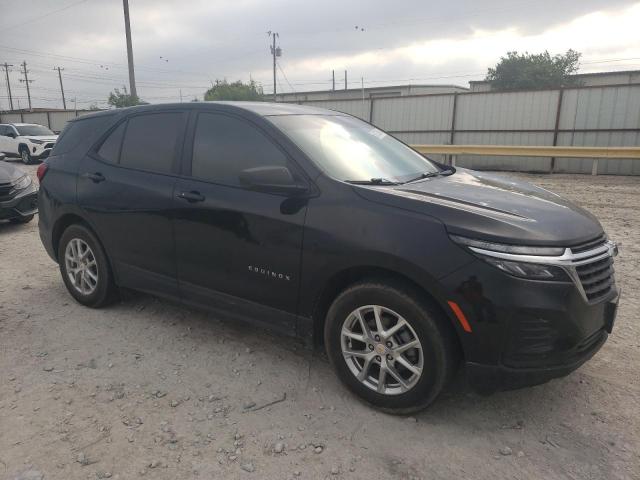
x=21, y=23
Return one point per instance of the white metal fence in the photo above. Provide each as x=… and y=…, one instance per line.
x=602, y=116
x=599, y=116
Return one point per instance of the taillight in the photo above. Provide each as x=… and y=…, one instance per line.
x=42, y=170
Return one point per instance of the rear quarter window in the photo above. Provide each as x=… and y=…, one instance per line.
x=80, y=134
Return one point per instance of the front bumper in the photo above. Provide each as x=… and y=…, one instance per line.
x=25, y=203
x=40, y=152
x=525, y=332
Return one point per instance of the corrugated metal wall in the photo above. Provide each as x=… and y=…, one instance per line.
x=586, y=116
x=55, y=119
x=602, y=116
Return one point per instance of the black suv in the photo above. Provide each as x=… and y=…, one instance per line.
x=324, y=227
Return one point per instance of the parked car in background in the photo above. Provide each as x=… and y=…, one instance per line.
x=324, y=227
x=28, y=141
x=18, y=194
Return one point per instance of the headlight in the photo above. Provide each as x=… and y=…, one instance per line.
x=37, y=142
x=23, y=182
x=498, y=255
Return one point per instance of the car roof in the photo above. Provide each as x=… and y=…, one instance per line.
x=22, y=124
x=264, y=109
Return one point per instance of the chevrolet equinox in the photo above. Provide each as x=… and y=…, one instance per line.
x=322, y=226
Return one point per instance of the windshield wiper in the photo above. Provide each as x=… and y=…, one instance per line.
x=373, y=181
x=424, y=175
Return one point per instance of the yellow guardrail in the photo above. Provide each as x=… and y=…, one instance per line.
x=534, y=151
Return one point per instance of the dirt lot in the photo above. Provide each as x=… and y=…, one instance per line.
x=150, y=389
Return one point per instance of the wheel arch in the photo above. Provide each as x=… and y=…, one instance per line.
x=349, y=276
x=66, y=221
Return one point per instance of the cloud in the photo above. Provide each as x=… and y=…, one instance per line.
x=201, y=40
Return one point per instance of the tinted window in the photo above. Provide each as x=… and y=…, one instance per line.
x=3, y=130
x=150, y=141
x=110, y=148
x=81, y=134
x=224, y=146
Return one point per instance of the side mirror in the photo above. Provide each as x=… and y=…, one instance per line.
x=11, y=135
x=272, y=179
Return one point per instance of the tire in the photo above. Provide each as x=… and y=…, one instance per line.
x=96, y=290
x=25, y=156
x=25, y=219
x=436, y=359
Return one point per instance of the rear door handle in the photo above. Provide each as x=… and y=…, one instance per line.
x=95, y=177
x=191, y=197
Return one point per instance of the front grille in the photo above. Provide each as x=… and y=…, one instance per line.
x=596, y=277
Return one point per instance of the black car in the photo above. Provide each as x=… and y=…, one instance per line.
x=18, y=194
x=324, y=227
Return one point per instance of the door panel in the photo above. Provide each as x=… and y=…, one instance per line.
x=131, y=212
x=237, y=250
x=240, y=243
x=130, y=205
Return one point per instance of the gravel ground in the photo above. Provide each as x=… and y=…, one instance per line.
x=149, y=388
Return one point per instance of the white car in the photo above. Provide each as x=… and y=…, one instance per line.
x=28, y=141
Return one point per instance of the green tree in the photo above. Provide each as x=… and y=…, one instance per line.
x=530, y=71
x=120, y=99
x=224, y=90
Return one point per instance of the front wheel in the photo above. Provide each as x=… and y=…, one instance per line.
x=389, y=346
x=84, y=267
x=25, y=156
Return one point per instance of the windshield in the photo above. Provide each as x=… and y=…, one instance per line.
x=34, y=130
x=349, y=149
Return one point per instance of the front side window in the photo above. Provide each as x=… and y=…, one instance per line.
x=150, y=141
x=33, y=130
x=224, y=146
x=349, y=149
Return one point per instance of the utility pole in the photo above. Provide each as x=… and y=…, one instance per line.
x=333, y=80
x=180, y=95
x=345, y=79
x=64, y=101
x=27, y=82
x=6, y=71
x=127, y=29
x=275, y=52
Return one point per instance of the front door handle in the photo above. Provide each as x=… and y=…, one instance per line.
x=95, y=177
x=191, y=197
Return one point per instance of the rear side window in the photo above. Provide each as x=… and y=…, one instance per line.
x=81, y=134
x=110, y=148
x=224, y=146
x=150, y=141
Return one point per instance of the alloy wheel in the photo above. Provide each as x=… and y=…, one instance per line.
x=382, y=350
x=81, y=266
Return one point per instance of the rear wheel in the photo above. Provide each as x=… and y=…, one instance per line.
x=84, y=267
x=389, y=346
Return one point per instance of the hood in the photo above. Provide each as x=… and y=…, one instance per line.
x=46, y=138
x=491, y=207
x=9, y=173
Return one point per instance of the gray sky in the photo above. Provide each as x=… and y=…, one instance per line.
x=187, y=44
